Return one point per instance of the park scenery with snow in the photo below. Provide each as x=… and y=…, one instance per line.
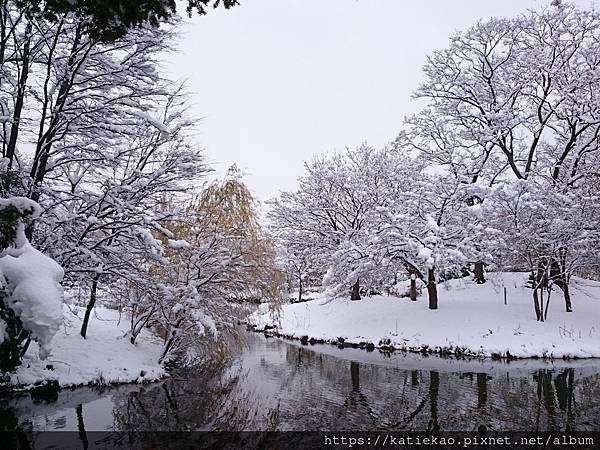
x=477, y=324
x=473, y=234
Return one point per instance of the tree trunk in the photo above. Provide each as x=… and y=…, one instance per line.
x=562, y=279
x=538, y=291
x=412, y=293
x=20, y=99
x=138, y=325
x=355, y=294
x=46, y=138
x=479, y=275
x=12, y=348
x=541, y=305
x=536, y=304
x=567, y=295
x=547, y=304
x=432, y=289
x=90, y=306
x=300, y=290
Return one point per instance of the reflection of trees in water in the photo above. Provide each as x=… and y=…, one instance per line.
x=481, y=390
x=414, y=378
x=281, y=386
x=551, y=397
x=212, y=399
x=275, y=385
x=328, y=390
x=356, y=404
x=393, y=398
x=545, y=396
x=81, y=427
x=419, y=400
x=420, y=410
x=13, y=434
x=434, y=388
x=546, y=400
x=565, y=395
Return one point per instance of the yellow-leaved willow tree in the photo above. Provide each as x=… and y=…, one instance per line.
x=217, y=256
x=229, y=252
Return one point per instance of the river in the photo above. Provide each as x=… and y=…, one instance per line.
x=274, y=384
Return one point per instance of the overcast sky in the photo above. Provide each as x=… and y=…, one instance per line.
x=279, y=81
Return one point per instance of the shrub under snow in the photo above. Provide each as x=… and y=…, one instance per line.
x=32, y=282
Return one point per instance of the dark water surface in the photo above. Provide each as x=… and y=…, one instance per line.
x=280, y=385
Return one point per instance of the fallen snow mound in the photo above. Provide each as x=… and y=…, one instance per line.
x=36, y=295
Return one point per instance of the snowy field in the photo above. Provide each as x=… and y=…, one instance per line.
x=471, y=317
x=105, y=357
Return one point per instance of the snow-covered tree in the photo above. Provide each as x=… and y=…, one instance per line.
x=517, y=99
x=296, y=260
x=519, y=92
x=331, y=214
x=551, y=235
x=216, y=257
x=101, y=211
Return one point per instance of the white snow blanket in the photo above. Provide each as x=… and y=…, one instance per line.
x=471, y=317
x=105, y=356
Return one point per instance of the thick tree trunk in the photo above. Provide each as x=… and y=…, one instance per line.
x=558, y=272
x=541, y=305
x=412, y=293
x=355, y=294
x=478, y=272
x=432, y=289
x=567, y=295
x=300, y=290
x=90, y=306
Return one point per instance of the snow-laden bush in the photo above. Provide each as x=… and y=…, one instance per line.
x=31, y=294
x=402, y=288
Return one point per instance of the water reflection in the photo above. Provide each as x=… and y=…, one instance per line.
x=276, y=385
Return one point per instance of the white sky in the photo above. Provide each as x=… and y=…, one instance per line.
x=279, y=81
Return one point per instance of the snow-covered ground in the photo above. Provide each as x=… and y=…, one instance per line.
x=470, y=317
x=105, y=356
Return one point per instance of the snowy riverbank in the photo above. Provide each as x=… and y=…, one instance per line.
x=472, y=319
x=105, y=357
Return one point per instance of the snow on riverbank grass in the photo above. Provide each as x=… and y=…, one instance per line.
x=106, y=356
x=471, y=317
